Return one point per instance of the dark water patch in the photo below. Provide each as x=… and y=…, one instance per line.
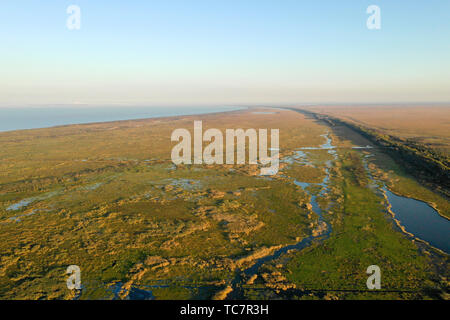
x=420, y=219
x=415, y=216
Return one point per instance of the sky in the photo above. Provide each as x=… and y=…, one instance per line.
x=223, y=52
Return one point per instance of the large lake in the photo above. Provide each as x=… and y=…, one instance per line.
x=43, y=117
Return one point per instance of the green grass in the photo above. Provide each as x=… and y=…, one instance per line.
x=362, y=236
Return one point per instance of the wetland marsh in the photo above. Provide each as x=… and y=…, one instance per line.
x=141, y=227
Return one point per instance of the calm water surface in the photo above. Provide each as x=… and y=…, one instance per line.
x=43, y=117
x=422, y=220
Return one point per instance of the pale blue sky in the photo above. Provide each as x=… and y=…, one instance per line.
x=223, y=52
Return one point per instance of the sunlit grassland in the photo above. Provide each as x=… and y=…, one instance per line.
x=400, y=181
x=423, y=126
x=108, y=198
x=426, y=124
x=110, y=208
x=362, y=236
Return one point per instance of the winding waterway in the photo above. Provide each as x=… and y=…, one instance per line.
x=415, y=216
x=305, y=242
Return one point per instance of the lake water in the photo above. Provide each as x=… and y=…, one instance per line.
x=422, y=220
x=43, y=117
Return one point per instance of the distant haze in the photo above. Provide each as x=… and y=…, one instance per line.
x=223, y=52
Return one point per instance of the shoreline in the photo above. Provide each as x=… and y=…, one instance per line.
x=431, y=204
x=402, y=228
x=206, y=112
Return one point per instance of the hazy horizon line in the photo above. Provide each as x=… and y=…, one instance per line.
x=219, y=105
